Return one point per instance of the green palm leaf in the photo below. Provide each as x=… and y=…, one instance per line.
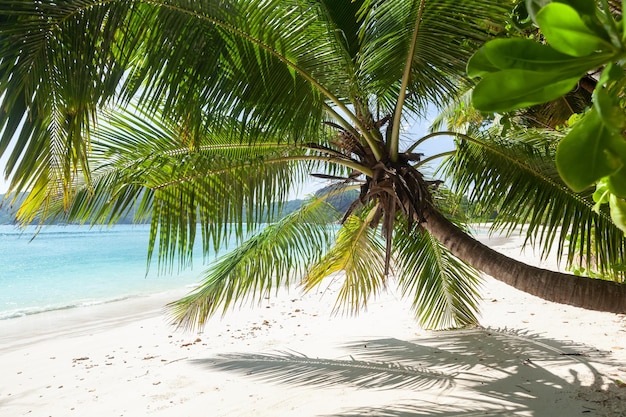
x=447, y=36
x=517, y=176
x=180, y=179
x=271, y=65
x=444, y=289
x=258, y=63
x=360, y=254
x=264, y=263
x=49, y=99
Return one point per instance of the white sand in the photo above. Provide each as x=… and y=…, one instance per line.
x=290, y=357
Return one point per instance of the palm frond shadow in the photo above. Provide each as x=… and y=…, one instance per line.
x=463, y=350
x=298, y=369
x=503, y=370
x=423, y=409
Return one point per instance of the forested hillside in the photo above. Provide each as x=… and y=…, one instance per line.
x=340, y=202
x=7, y=210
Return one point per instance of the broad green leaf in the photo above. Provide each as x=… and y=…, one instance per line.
x=618, y=211
x=617, y=183
x=588, y=152
x=610, y=73
x=480, y=64
x=601, y=195
x=512, y=89
x=519, y=53
x=584, y=7
x=608, y=109
x=566, y=31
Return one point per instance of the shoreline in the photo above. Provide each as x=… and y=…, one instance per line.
x=67, y=267
x=290, y=357
x=39, y=327
x=35, y=311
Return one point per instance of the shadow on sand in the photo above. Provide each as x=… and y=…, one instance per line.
x=466, y=373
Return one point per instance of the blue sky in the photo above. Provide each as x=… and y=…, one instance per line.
x=3, y=183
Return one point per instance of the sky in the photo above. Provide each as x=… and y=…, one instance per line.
x=4, y=185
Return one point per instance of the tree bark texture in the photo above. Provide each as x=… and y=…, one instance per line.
x=589, y=293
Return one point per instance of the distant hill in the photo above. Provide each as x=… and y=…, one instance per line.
x=8, y=210
x=341, y=202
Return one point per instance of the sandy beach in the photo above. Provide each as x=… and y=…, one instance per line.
x=290, y=356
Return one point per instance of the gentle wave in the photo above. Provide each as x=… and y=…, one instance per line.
x=12, y=314
x=63, y=231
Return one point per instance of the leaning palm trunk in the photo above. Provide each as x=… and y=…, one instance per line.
x=401, y=188
x=553, y=286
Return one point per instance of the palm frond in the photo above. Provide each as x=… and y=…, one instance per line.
x=49, y=99
x=458, y=115
x=343, y=19
x=270, y=64
x=154, y=167
x=444, y=289
x=360, y=253
x=449, y=32
x=517, y=177
x=273, y=258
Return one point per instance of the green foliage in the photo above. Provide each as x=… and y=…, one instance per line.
x=443, y=289
x=564, y=28
x=592, y=145
x=261, y=265
x=581, y=36
x=515, y=175
x=360, y=253
x=587, y=263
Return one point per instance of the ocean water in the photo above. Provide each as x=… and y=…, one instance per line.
x=73, y=266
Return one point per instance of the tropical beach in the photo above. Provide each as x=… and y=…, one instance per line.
x=290, y=356
x=199, y=120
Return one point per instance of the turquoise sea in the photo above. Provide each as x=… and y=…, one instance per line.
x=73, y=266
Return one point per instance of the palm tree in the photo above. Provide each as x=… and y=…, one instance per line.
x=205, y=113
